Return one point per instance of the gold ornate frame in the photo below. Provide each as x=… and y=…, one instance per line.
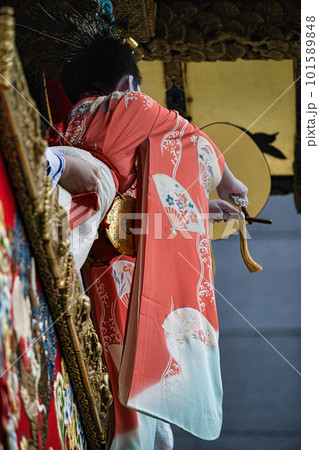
x=47, y=230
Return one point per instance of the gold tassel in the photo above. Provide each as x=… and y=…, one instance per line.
x=251, y=265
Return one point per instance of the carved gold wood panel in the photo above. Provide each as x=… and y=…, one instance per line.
x=137, y=16
x=47, y=229
x=192, y=31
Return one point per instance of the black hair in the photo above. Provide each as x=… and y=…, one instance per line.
x=100, y=66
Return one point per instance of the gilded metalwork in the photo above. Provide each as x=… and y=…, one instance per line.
x=55, y=234
x=77, y=308
x=21, y=113
x=7, y=46
x=46, y=226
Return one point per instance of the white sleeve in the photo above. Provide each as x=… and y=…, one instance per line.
x=55, y=164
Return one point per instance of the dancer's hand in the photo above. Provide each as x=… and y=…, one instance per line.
x=78, y=176
x=219, y=211
x=231, y=186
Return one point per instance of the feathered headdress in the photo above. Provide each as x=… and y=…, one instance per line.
x=51, y=33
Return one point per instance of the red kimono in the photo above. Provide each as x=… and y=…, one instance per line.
x=167, y=355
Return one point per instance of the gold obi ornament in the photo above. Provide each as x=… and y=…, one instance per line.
x=119, y=223
x=115, y=233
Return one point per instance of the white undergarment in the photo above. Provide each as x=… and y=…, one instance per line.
x=83, y=236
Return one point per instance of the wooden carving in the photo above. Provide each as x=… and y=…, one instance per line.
x=214, y=30
x=137, y=17
x=47, y=230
